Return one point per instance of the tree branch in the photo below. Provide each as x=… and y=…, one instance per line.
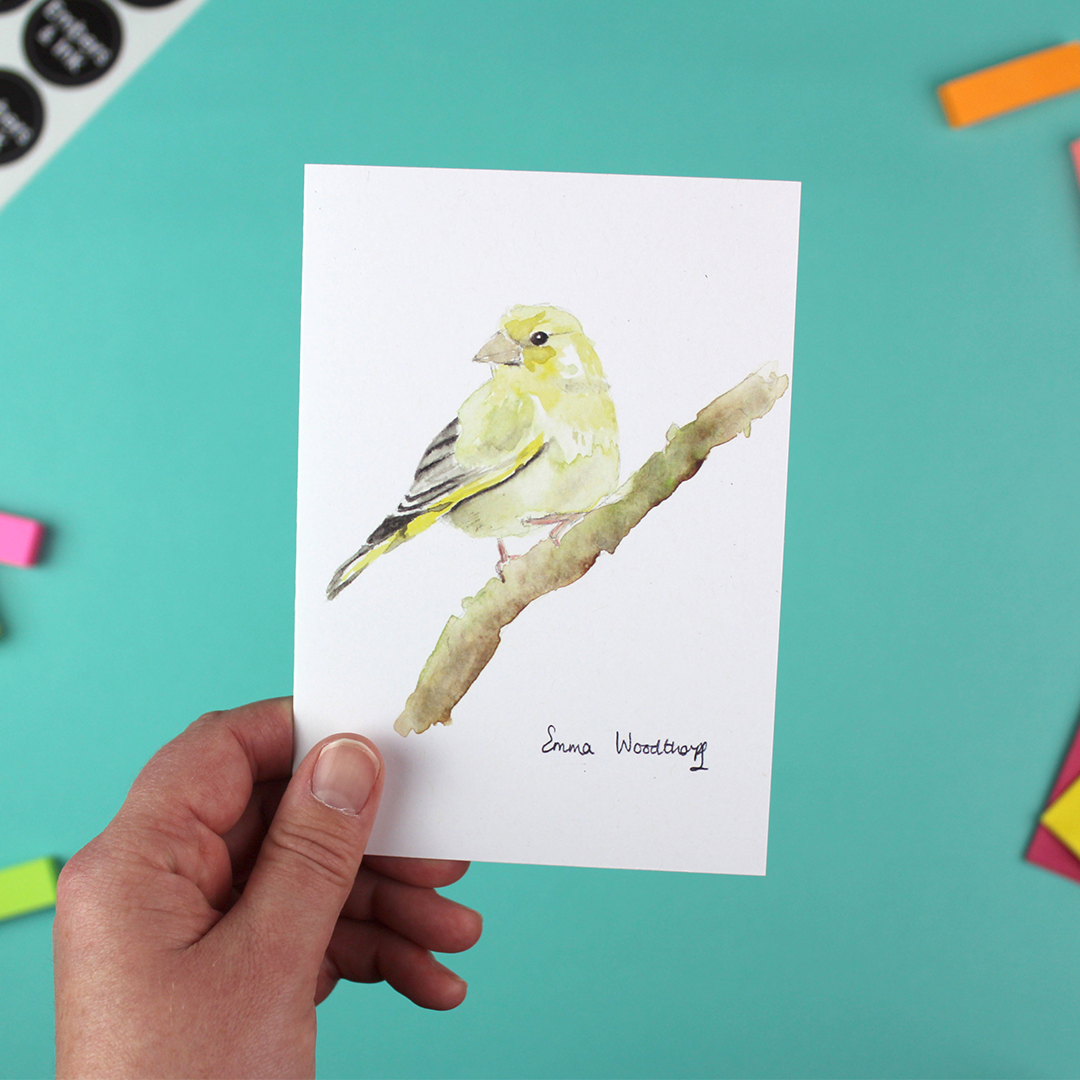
x=469, y=640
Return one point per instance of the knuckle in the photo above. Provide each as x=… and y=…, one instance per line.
x=320, y=849
x=74, y=882
x=85, y=882
x=208, y=719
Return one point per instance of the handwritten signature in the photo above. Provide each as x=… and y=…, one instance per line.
x=554, y=745
x=667, y=746
x=627, y=745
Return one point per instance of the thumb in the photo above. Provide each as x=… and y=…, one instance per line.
x=308, y=861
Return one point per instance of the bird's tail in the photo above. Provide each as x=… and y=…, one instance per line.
x=394, y=530
x=360, y=562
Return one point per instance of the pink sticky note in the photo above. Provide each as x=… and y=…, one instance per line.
x=20, y=539
x=1046, y=850
x=1075, y=148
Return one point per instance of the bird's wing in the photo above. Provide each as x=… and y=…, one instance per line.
x=439, y=473
x=441, y=482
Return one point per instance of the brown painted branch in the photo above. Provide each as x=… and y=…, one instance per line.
x=469, y=640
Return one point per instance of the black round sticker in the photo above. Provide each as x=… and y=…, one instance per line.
x=10, y=5
x=72, y=42
x=22, y=116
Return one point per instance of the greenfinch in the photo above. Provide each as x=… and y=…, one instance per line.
x=536, y=445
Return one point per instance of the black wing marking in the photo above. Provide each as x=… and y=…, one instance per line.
x=438, y=471
x=438, y=474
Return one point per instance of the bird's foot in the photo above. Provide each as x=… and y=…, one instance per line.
x=562, y=522
x=504, y=561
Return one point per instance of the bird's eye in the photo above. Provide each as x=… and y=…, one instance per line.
x=539, y=337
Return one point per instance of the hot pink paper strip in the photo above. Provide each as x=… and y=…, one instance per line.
x=1046, y=850
x=1075, y=148
x=20, y=539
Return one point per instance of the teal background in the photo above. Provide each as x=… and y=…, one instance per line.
x=929, y=679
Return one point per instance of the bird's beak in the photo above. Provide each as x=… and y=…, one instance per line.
x=499, y=350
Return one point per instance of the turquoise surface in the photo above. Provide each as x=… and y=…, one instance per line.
x=930, y=650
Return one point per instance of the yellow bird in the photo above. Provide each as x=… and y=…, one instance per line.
x=537, y=444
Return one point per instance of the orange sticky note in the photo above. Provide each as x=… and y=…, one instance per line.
x=1012, y=85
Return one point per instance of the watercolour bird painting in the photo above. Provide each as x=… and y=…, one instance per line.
x=542, y=468
x=537, y=445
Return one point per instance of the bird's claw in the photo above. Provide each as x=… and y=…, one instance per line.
x=562, y=522
x=504, y=559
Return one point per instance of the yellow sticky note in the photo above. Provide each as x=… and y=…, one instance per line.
x=30, y=886
x=1062, y=817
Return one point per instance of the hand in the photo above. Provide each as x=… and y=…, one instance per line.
x=197, y=933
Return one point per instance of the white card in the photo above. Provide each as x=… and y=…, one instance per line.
x=661, y=660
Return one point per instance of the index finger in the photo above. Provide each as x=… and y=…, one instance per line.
x=427, y=873
x=206, y=774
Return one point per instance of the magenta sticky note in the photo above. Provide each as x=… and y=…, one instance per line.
x=20, y=539
x=1075, y=148
x=1046, y=850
